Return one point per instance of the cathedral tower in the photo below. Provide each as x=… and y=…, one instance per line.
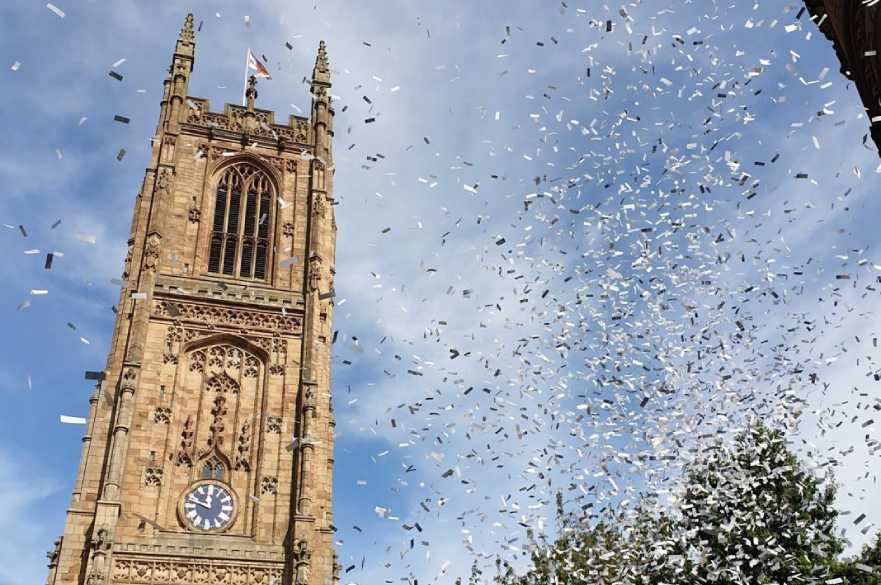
x=208, y=451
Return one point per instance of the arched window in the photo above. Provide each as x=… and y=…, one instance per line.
x=213, y=468
x=240, y=231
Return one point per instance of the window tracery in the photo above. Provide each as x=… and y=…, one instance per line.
x=213, y=468
x=243, y=214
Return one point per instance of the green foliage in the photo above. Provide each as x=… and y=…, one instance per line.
x=865, y=568
x=747, y=513
x=751, y=514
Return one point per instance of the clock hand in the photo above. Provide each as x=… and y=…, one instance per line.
x=200, y=502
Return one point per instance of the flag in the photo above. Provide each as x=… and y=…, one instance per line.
x=257, y=66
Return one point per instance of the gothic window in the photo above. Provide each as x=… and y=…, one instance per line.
x=213, y=468
x=243, y=214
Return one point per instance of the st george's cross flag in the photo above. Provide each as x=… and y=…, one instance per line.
x=261, y=70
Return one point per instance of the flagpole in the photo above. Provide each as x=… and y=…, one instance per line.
x=245, y=86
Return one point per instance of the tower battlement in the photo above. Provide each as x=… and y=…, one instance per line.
x=232, y=124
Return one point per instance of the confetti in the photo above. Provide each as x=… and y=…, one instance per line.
x=58, y=12
x=667, y=240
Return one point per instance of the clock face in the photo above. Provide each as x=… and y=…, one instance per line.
x=208, y=506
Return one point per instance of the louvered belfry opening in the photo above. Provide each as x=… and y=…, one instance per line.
x=240, y=229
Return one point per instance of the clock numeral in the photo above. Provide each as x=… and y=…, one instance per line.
x=218, y=503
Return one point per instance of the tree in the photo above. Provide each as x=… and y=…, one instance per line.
x=865, y=568
x=747, y=513
x=752, y=514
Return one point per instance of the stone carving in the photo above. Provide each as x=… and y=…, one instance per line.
x=185, y=449
x=195, y=214
x=152, y=251
x=321, y=63
x=262, y=341
x=288, y=229
x=127, y=265
x=308, y=398
x=100, y=546
x=162, y=572
x=162, y=415
x=218, y=411
x=243, y=449
x=279, y=354
x=216, y=356
x=252, y=366
x=233, y=356
x=222, y=383
x=291, y=166
x=210, y=150
x=238, y=318
x=52, y=555
x=153, y=476
x=129, y=379
x=314, y=273
x=269, y=485
x=318, y=208
x=186, y=31
x=277, y=163
x=173, y=339
x=233, y=120
x=337, y=567
x=140, y=571
x=273, y=424
x=163, y=181
x=302, y=556
x=197, y=361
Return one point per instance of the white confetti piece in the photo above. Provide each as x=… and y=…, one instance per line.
x=58, y=12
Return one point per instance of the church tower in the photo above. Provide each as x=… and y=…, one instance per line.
x=208, y=451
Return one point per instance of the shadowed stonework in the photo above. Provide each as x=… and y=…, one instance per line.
x=854, y=27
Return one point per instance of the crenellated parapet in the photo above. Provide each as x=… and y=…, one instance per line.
x=231, y=125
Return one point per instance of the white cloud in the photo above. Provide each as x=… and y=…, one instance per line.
x=23, y=490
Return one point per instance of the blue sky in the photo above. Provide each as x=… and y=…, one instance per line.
x=648, y=178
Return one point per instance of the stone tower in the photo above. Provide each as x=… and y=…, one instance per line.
x=208, y=451
x=853, y=28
